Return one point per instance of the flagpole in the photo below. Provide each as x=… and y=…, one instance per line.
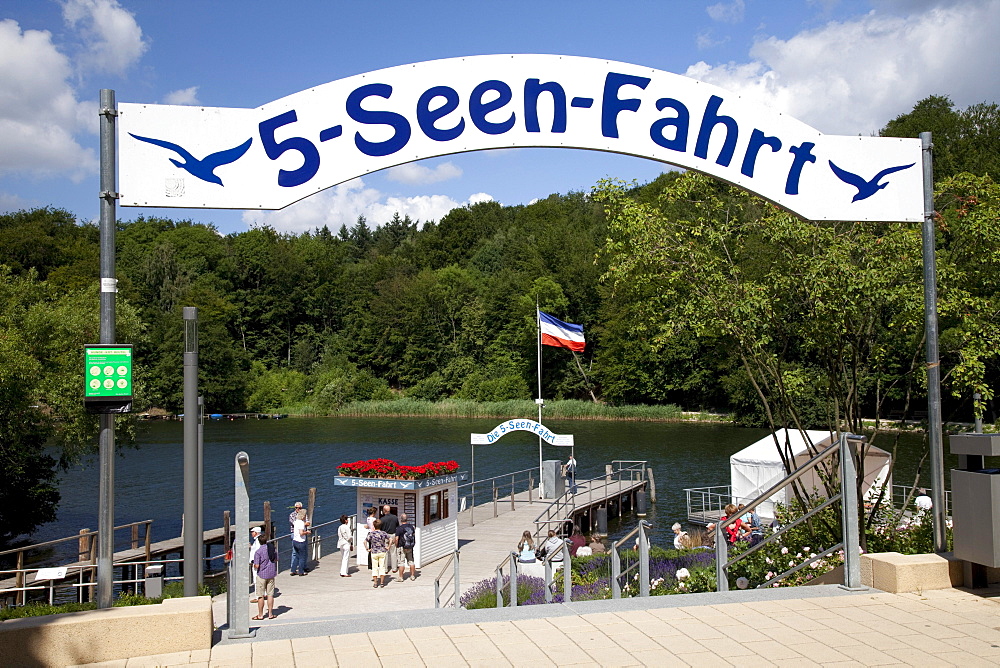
x=539, y=401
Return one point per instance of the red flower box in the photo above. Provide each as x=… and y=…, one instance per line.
x=386, y=468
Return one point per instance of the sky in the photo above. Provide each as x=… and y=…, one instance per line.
x=842, y=66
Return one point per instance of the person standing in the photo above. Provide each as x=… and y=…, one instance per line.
x=265, y=564
x=299, y=532
x=294, y=514
x=370, y=526
x=254, y=546
x=389, y=525
x=405, y=541
x=571, y=474
x=378, y=546
x=345, y=541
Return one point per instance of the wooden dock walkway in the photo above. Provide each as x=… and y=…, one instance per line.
x=484, y=542
x=156, y=551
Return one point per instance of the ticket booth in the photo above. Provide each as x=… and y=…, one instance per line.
x=431, y=506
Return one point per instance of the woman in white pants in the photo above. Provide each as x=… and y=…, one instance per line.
x=345, y=540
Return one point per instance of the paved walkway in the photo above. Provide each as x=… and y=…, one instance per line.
x=806, y=626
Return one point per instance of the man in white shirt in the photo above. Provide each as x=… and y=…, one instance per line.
x=299, y=532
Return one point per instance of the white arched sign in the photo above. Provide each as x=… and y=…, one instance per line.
x=286, y=150
x=510, y=426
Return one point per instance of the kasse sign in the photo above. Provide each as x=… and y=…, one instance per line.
x=277, y=154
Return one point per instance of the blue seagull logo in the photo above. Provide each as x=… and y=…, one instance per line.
x=204, y=169
x=866, y=188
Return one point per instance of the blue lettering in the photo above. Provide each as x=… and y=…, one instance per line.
x=803, y=154
x=426, y=117
x=390, y=118
x=757, y=141
x=478, y=109
x=708, y=123
x=680, y=123
x=612, y=105
x=532, y=89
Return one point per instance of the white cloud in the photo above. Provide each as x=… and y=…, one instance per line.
x=705, y=40
x=341, y=205
x=853, y=77
x=12, y=202
x=183, y=96
x=112, y=39
x=39, y=111
x=727, y=12
x=416, y=174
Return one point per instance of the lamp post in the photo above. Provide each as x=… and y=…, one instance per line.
x=192, y=483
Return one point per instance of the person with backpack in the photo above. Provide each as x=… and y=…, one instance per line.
x=405, y=541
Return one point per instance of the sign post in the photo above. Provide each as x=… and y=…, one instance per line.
x=109, y=287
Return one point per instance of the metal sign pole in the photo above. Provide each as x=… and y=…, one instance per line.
x=238, y=595
x=934, y=428
x=201, y=479
x=849, y=511
x=106, y=493
x=192, y=532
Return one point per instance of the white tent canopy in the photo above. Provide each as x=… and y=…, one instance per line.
x=757, y=467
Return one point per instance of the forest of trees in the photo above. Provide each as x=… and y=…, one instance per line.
x=690, y=292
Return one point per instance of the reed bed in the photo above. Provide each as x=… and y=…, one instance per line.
x=568, y=409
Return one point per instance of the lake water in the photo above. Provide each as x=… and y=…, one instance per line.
x=287, y=457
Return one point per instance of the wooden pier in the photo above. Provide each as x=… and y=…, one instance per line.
x=487, y=534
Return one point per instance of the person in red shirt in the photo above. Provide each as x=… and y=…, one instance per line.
x=736, y=530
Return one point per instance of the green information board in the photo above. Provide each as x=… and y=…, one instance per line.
x=108, y=378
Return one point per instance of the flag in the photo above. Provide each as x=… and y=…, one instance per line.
x=561, y=334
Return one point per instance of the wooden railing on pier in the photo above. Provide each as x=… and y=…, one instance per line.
x=87, y=554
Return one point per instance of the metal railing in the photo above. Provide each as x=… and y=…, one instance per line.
x=850, y=543
x=511, y=564
x=497, y=486
x=81, y=585
x=705, y=504
x=618, y=473
x=903, y=497
x=567, y=568
x=87, y=551
x=642, y=563
x=315, y=541
x=452, y=561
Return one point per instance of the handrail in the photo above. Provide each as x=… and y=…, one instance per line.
x=781, y=484
x=513, y=482
x=567, y=567
x=512, y=580
x=496, y=477
x=452, y=558
x=556, y=512
x=73, y=537
x=642, y=563
x=849, y=523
